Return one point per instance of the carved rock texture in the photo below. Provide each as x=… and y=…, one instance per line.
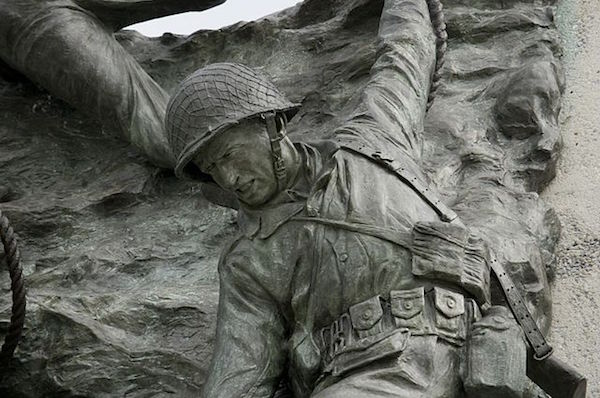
x=121, y=258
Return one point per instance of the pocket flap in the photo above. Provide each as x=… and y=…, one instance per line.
x=407, y=303
x=366, y=314
x=449, y=303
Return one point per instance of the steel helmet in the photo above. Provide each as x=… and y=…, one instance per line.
x=211, y=100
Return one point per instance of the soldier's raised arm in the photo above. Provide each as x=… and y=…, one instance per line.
x=392, y=106
x=68, y=48
x=120, y=13
x=249, y=354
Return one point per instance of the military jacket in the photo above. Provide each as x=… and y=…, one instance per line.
x=283, y=280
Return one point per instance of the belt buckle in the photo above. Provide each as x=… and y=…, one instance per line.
x=326, y=341
x=338, y=334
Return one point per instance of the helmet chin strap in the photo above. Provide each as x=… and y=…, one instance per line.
x=275, y=137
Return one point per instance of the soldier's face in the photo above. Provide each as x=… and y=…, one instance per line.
x=239, y=160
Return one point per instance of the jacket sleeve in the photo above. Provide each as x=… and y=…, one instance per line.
x=391, y=109
x=121, y=13
x=249, y=350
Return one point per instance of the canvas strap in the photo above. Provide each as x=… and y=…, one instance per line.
x=275, y=138
x=515, y=300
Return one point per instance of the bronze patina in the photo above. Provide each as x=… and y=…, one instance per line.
x=351, y=276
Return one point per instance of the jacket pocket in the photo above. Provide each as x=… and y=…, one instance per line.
x=407, y=308
x=366, y=317
x=449, y=308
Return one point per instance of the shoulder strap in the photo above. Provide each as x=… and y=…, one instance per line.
x=275, y=138
x=404, y=173
x=400, y=238
x=515, y=301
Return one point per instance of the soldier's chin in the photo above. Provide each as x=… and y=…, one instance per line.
x=255, y=197
x=252, y=198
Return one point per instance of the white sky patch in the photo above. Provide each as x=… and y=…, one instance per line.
x=224, y=15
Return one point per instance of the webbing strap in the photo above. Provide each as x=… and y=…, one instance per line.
x=400, y=238
x=403, y=173
x=517, y=304
x=275, y=139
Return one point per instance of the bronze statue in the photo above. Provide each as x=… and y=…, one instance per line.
x=350, y=276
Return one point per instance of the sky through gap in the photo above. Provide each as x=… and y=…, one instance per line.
x=230, y=12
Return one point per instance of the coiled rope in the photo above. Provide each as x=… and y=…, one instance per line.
x=13, y=262
x=438, y=21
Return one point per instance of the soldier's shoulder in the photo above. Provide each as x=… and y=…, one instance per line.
x=235, y=247
x=247, y=252
x=237, y=251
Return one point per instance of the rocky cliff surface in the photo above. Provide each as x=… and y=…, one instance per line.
x=120, y=257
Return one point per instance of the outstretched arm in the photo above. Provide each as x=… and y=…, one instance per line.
x=392, y=107
x=121, y=13
x=74, y=56
x=249, y=351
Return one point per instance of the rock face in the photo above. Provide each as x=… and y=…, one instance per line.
x=120, y=257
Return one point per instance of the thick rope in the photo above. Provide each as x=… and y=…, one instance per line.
x=13, y=262
x=441, y=44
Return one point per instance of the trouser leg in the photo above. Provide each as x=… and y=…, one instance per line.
x=69, y=52
x=428, y=368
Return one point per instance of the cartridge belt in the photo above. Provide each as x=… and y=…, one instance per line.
x=379, y=327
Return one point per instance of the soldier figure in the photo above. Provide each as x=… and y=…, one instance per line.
x=349, y=279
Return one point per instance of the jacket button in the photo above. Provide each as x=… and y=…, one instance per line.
x=343, y=257
x=450, y=302
x=312, y=212
x=367, y=315
x=407, y=305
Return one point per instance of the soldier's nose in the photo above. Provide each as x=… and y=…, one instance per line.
x=230, y=179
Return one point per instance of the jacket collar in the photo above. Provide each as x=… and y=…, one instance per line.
x=263, y=222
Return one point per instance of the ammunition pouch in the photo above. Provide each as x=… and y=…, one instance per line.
x=449, y=252
x=496, y=357
x=377, y=328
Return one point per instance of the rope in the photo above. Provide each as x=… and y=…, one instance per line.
x=441, y=44
x=13, y=262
